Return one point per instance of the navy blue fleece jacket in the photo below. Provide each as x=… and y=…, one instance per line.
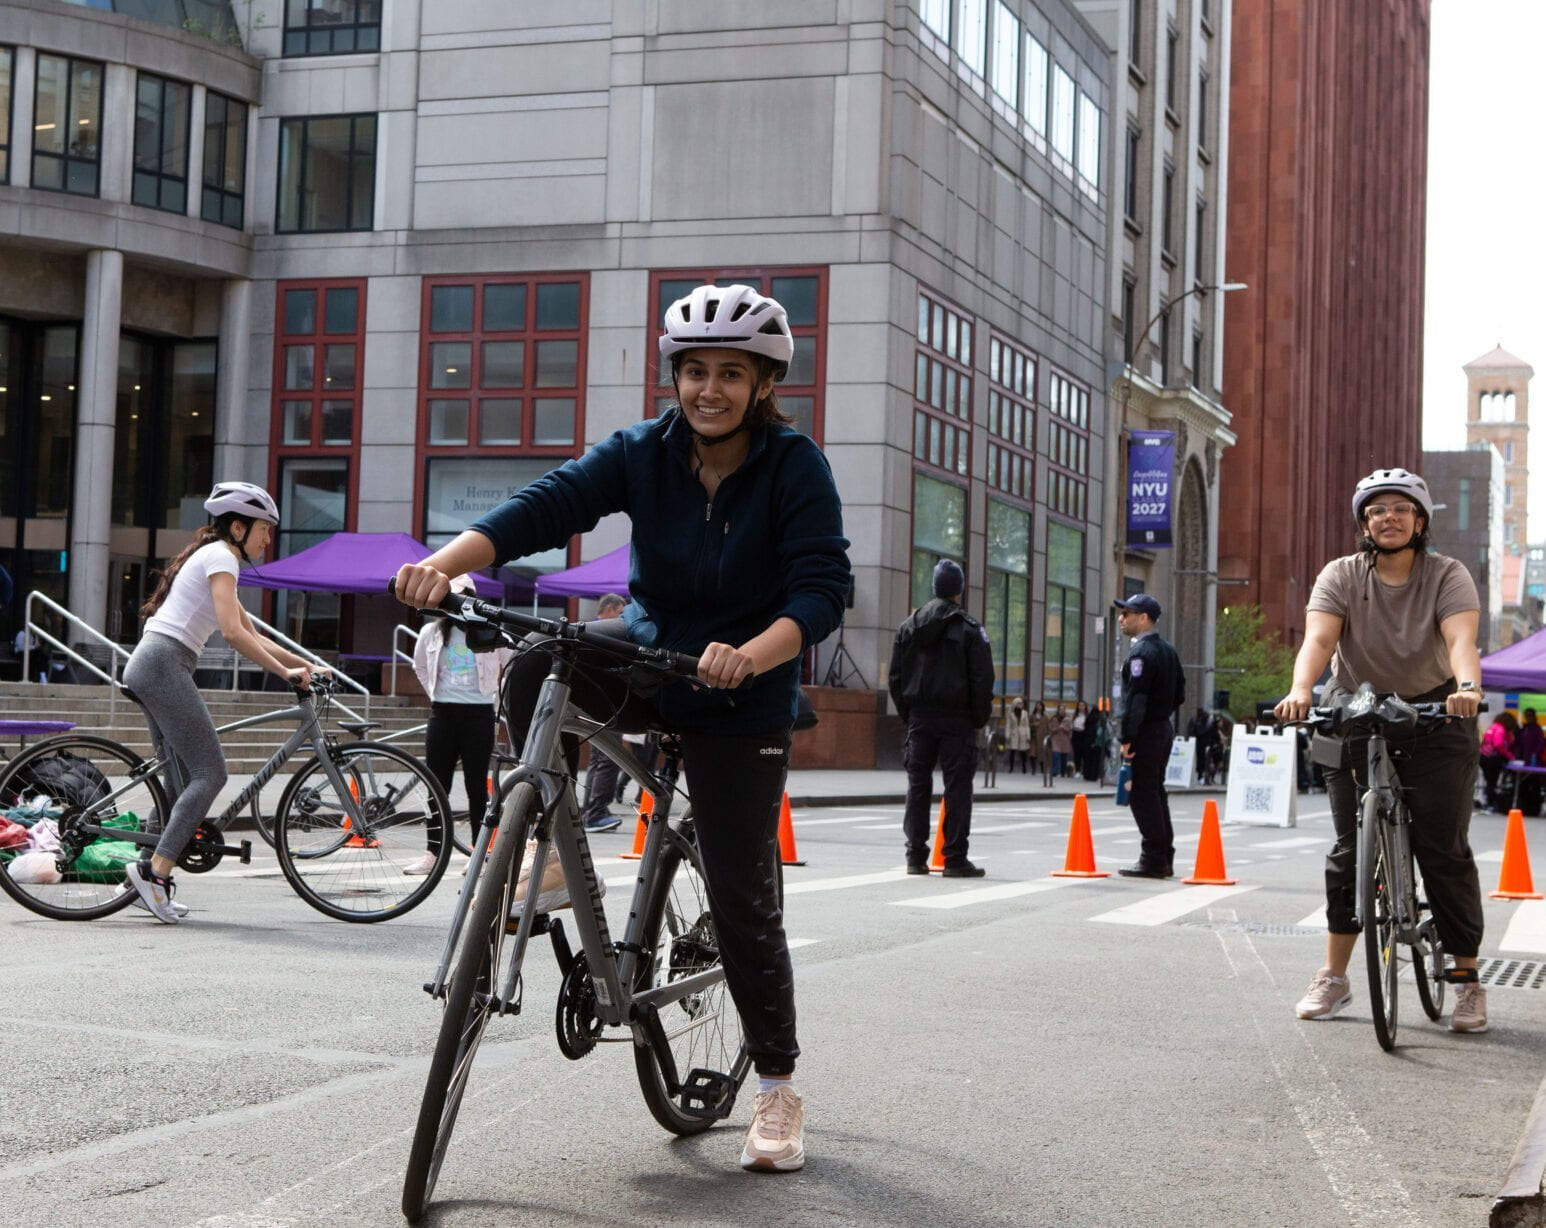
x=770, y=545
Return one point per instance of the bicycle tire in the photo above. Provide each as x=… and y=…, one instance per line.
x=679, y=931
x=359, y=876
x=62, y=774
x=465, y=1018
x=1428, y=970
x=1377, y=913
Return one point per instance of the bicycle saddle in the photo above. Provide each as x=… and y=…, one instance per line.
x=359, y=728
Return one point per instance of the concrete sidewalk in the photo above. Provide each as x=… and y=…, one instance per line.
x=856, y=787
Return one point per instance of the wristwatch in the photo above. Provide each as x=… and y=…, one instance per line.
x=1466, y=686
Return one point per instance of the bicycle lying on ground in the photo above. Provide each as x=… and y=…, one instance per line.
x=347, y=823
x=1391, y=911
x=663, y=985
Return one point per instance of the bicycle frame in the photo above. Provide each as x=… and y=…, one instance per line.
x=1394, y=816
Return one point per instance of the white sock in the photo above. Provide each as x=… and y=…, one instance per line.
x=768, y=1085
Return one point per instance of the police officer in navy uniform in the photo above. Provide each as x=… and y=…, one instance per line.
x=1153, y=688
x=942, y=683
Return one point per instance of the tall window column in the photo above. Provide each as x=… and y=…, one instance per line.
x=96, y=419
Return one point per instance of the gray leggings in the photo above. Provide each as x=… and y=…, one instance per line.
x=160, y=674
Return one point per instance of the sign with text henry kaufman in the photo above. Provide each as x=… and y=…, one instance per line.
x=1150, y=455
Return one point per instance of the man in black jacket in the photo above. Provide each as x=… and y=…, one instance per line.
x=1153, y=687
x=942, y=684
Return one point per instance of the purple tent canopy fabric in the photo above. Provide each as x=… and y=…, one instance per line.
x=608, y=574
x=351, y=563
x=1519, y=667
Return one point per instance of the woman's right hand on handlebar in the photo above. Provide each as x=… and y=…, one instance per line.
x=299, y=677
x=1294, y=706
x=420, y=586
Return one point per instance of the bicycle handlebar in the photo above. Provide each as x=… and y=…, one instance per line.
x=473, y=610
x=1367, y=708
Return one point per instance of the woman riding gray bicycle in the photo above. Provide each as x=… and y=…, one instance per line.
x=1404, y=619
x=738, y=558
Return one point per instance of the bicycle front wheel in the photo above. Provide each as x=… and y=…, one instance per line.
x=703, y=1028
x=468, y=1003
x=1377, y=910
x=55, y=789
x=358, y=872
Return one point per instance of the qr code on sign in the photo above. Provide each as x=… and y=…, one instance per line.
x=1258, y=799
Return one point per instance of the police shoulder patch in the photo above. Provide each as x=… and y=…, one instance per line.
x=1137, y=664
x=983, y=631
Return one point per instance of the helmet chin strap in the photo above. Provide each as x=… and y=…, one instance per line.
x=1372, y=547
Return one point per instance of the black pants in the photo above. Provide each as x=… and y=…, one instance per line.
x=1438, y=778
x=600, y=784
x=462, y=732
x=1025, y=761
x=736, y=782
x=1492, y=767
x=1146, y=794
x=950, y=741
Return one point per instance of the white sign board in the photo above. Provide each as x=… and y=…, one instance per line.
x=1263, y=778
x=1181, y=771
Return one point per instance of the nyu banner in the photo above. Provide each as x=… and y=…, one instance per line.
x=1150, y=455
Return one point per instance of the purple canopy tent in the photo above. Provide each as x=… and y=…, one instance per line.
x=608, y=574
x=351, y=563
x=1519, y=667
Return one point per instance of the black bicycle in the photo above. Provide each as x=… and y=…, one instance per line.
x=1391, y=910
x=662, y=988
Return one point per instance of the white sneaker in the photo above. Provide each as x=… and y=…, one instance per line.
x=155, y=893
x=1326, y=996
x=421, y=867
x=180, y=909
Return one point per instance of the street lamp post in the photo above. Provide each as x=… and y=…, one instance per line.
x=1227, y=287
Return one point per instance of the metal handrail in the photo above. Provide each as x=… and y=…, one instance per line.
x=342, y=678
x=399, y=654
x=73, y=620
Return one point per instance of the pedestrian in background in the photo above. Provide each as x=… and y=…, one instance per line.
x=1017, y=735
x=941, y=680
x=601, y=780
x=1041, y=730
x=1062, y=742
x=1153, y=689
x=1498, y=747
x=462, y=686
x=1530, y=741
x=1077, y=729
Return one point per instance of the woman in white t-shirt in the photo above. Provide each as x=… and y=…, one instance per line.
x=195, y=595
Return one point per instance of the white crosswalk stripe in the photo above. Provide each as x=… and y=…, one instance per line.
x=802, y=887
x=1293, y=842
x=1526, y=928
x=1167, y=906
x=984, y=895
x=1315, y=921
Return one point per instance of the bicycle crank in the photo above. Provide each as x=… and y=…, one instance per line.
x=577, y=1020
x=207, y=849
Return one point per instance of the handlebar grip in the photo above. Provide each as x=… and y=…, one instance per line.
x=451, y=603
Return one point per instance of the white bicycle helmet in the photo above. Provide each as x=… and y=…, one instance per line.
x=244, y=499
x=1392, y=481
x=731, y=318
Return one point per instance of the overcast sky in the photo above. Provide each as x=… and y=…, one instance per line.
x=1486, y=265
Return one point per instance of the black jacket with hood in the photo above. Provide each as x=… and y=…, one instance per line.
x=941, y=663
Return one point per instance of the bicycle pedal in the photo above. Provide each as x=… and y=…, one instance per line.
x=709, y=1094
x=242, y=852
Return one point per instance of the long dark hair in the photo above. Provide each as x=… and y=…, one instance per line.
x=220, y=531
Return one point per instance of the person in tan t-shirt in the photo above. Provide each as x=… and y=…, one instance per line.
x=1404, y=619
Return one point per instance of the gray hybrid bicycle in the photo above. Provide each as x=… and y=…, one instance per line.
x=348, y=822
x=661, y=988
x=1391, y=910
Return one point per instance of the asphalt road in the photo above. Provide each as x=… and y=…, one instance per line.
x=1006, y=1052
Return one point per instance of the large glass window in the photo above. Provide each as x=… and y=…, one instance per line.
x=1033, y=104
x=939, y=530
x=161, y=120
x=1006, y=52
x=163, y=446
x=936, y=16
x=7, y=75
x=1089, y=140
x=1007, y=608
x=1065, y=612
x=1062, y=114
x=1011, y=452
x=1068, y=447
x=225, y=160
x=1130, y=177
x=803, y=294
x=54, y=429
x=319, y=364
x=313, y=505
x=327, y=173
x=66, y=125
x=460, y=489
x=332, y=27
x=972, y=35
x=942, y=386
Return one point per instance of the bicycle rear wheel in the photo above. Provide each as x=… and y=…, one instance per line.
x=1428, y=969
x=468, y=1006
x=358, y=874
x=703, y=1028
x=1377, y=911
x=54, y=788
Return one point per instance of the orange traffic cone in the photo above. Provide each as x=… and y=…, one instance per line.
x=1079, y=860
x=937, y=861
x=646, y=809
x=1209, y=869
x=786, y=849
x=1514, y=881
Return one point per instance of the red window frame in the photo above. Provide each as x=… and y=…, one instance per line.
x=1011, y=453
x=313, y=447
x=1068, y=448
x=760, y=279
x=528, y=391
x=943, y=377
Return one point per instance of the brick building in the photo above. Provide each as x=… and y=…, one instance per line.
x=1328, y=120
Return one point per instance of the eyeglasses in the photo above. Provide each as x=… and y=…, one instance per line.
x=1400, y=510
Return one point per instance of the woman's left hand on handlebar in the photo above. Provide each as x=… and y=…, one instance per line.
x=720, y=665
x=1463, y=703
x=421, y=586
